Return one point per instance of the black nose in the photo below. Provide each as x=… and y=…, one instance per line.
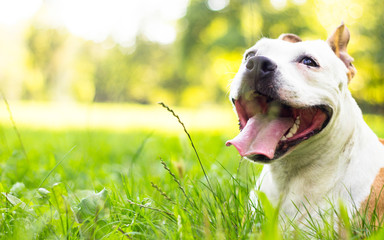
x=261, y=66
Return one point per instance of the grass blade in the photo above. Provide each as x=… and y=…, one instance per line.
x=15, y=129
x=190, y=141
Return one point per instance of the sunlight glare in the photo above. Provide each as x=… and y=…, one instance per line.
x=122, y=20
x=97, y=20
x=299, y=2
x=279, y=4
x=15, y=11
x=331, y=12
x=160, y=32
x=217, y=5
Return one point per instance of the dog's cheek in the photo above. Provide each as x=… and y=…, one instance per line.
x=290, y=87
x=235, y=86
x=239, y=86
x=289, y=96
x=287, y=91
x=338, y=83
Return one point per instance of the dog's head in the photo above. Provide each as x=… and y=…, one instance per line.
x=287, y=91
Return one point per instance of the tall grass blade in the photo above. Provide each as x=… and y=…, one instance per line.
x=15, y=128
x=190, y=140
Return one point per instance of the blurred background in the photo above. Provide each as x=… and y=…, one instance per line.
x=131, y=54
x=79, y=85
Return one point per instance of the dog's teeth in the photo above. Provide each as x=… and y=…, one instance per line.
x=289, y=135
x=297, y=121
x=293, y=129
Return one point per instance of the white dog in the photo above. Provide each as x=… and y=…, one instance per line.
x=298, y=117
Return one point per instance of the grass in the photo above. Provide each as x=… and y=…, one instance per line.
x=139, y=184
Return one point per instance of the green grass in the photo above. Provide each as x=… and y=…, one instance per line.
x=100, y=184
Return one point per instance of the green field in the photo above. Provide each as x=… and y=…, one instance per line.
x=109, y=184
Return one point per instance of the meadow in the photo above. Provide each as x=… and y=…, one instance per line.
x=138, y=183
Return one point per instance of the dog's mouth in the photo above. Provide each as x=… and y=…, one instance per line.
x=270, y=128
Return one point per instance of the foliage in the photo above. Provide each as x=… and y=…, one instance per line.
x=195, y=69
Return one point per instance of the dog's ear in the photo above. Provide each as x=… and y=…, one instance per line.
x=289, y=37
x=338, y=41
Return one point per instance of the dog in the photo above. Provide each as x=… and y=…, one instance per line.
x=298, y=118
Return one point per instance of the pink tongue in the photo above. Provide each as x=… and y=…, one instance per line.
x=261, y=135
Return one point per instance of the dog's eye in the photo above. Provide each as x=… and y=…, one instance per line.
x=249, y=55
x=309, y=62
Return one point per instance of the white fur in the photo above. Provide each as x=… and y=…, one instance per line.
x=342, y=161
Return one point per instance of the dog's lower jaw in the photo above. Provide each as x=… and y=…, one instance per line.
x=340, y=163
